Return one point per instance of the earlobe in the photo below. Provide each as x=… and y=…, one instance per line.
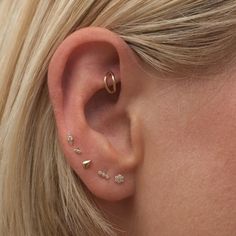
x=85, y=81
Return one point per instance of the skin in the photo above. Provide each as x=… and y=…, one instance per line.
x=189, y=175
x=173, y=138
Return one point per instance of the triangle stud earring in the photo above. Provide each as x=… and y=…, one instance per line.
x=86, y=164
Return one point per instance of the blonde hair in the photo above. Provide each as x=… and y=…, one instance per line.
x=39, y=193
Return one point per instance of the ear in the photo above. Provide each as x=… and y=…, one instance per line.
x=99, y=132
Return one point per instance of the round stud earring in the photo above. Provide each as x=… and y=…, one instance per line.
x=70, y=139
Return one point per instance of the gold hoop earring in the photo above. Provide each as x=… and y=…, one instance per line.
x=112, y=76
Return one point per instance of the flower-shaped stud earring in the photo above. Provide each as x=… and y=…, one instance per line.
x=119, y=179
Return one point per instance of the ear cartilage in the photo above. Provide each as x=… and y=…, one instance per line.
x=70, y=139
x=103, y=175
x=111, y=75
x=86, y=164
x=77, y=151
x=119, y=179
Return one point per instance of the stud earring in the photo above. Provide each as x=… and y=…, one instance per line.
x=86, y=164
x=119, y=179
x=103, y=175
x=77, y=151
x=70, y=139
x=113, y=79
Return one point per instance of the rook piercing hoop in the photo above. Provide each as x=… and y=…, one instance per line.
x=112, y=76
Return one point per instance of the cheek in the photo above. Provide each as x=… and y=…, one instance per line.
x=209, y=140
x=200, y=140
x=212, y=136
x=195, y=121
x=212, y=130
x=191, y=158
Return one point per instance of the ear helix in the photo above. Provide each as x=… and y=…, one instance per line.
x=87, y=163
